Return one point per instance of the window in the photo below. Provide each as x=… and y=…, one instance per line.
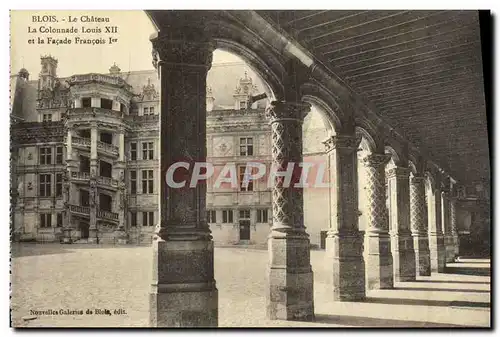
x=45, y=220
x=133, y=219
x=145, y=111
x=227, y=216
x=106, y=103
x=122, y=107
x=152, y=110
x=211, y=217
x=243, y=105
x=59, y=155
x=86, y=102
x=45, y=156
x=147, y=181
x=262, y=216
x=246, y=146
x=249, y=184
x=133, y=182
x=45, y=185
x=133, y=151
x=148, y=218
x=147, y=151
x=59, y=184
x=244, y=214
x=59, y=219
x=47, y=118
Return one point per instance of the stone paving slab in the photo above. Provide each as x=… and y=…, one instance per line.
x=81, y=277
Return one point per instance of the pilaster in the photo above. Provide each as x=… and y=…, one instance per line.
x=436, y=239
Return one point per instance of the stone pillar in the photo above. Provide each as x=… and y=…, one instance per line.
x=344, y=241
x=419, y=226
x=445, y=220
x=401, y=239
x=183, y=291
x=436, y=240
x=121, y=146
x=453, y=224
x=378, y=255
x=290, y=295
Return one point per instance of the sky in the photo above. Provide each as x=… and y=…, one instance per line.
x=131, y=52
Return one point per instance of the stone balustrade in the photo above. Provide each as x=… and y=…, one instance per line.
x=80, y=141
x=107, y=181
x=100, y=78
x=79, y=209
x=106, y=215
x=109, y=148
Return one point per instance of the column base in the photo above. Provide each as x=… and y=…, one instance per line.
x=422, y=255
x=290, y=295
x=403, y=258
x=450, y=248
x=438, y=253
x=344, y=254
x=183, y=291
x=378, y=261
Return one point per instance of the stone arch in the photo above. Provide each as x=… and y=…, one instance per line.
x=371, y=133
x=368, y=141
x=395, y=156
x=266, y=63
x=430, y=181
x=317, y=94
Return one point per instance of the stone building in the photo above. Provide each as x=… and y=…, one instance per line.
x=85, y=157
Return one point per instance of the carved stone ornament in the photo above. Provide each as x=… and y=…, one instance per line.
x=30, y=185
x=342, y=142
x=30, y=156
x=190, y=53
x=279, y=111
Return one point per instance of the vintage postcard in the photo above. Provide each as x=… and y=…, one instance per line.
x=243, y=168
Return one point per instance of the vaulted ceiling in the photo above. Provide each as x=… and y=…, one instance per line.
x=420, y=70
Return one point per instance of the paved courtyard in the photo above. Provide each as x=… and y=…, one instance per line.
x=81, y=277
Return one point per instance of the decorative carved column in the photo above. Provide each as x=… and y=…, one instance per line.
x=453, y=224
x=69, y=188
x=436, y=239
x=402, y=242
x=121, y=195
x=419, y=226
x=183, y=291
x=378, y=255
x=446, y=225
x=290, y=295
x=344, y=241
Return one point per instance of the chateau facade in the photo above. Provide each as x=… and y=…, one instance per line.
x=85, y=152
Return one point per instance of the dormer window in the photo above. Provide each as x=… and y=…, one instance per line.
x=243, y=105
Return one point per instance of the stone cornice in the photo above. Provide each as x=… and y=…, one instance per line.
x=287, y=111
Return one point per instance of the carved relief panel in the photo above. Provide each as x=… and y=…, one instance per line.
x=223, y=146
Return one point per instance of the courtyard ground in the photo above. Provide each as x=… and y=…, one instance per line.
x=80, y=277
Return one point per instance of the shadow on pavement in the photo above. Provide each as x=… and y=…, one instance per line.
x=445, y=281
x=428, y=303
x=361, y=321
x=443, y=289
x=475, y=271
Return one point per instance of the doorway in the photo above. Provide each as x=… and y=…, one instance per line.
x=244, y=230
x=84, y=230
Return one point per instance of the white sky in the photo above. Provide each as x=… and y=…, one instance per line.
x=131, y=52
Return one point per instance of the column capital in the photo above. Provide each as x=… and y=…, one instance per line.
x=398, y=172
x=376, y=160
x=192, y=50
x=417, y=179
x=279, y=111
x=343, y=142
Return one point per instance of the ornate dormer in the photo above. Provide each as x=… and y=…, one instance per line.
x=149, y=92
x=48, y=75
x=210, y=99
x=244, y=90
x=114, y=70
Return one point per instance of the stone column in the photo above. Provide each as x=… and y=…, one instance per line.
x=344, y=241
x=290, y=295
x=453, y=223
x=419, y=226
x=121, y=195
x=402, y=242
x=436, y=240
x=183, y=291
x=445, y=219
x=378, y=255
